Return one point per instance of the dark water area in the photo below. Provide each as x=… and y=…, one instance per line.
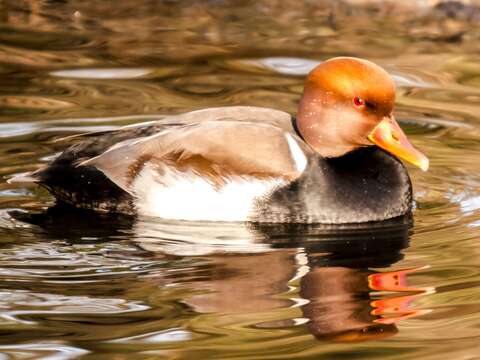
x=78, y=285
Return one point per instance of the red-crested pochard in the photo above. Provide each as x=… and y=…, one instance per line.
x=335, y=162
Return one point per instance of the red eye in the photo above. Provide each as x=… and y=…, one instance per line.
x=358, y=102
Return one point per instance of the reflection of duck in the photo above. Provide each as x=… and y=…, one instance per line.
x=248, y=163
x=339, y=284
x=246, y=283
x=340, y=288
x=332, y=262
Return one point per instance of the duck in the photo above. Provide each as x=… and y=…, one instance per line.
x=337, y=161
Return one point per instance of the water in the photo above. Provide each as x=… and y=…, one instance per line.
x=75, y=285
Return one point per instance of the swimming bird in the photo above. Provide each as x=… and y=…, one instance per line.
x=335, y=162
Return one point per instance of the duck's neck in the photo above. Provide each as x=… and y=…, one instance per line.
x=319, y=125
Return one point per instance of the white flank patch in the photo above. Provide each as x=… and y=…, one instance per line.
x=188, y=196
x=297, y=154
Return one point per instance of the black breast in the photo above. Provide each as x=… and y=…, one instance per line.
x=364, y=185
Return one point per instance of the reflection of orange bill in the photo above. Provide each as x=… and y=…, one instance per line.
x=389, y=136
x=395, y=319
x=396, y=308
x=395, y=281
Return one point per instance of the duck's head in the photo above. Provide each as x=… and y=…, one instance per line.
x=348, y=103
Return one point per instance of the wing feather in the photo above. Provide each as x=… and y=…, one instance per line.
x=211, y=148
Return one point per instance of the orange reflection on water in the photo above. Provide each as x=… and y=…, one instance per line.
x=395, y=308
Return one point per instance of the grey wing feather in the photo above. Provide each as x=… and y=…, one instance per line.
x=246, y=148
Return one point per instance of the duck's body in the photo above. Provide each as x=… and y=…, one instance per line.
x=234, y=164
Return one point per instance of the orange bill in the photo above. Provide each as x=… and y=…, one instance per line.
x=389, y=136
